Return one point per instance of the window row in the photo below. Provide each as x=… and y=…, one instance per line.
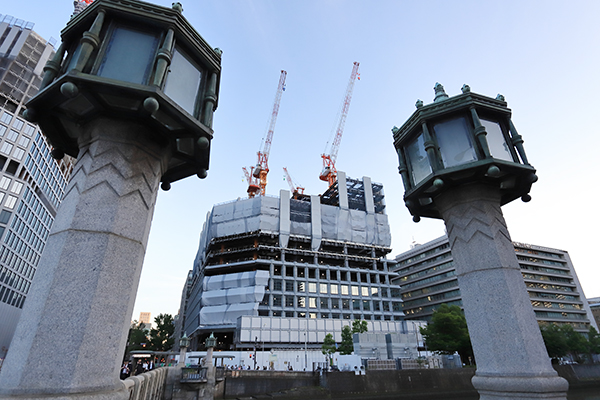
x=14, y=280
x=21, y=248
x=329, y=274
x=32, y=207
x=16, y=263
x=428, y=271
x=11, y=297
x=331, y=303
x=326, y=315
x=333, y=288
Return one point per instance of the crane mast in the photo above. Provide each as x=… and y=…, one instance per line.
x=329, y=173
x=257, y=179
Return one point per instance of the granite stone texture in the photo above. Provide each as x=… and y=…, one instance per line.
x=512, y=361
x=70, y=340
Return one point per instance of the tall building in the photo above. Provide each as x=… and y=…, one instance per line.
x=594, y=303
x=286, y=271
x=32, y=183
x=427, y=278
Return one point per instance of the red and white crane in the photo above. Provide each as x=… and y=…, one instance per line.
x=257, y=177
x=329, y=173
x=296, y=189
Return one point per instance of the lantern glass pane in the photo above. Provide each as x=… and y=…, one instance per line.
x=183, y=82
x=417, y=159
x=129, y=56
x=496, y=141
x=454, y=142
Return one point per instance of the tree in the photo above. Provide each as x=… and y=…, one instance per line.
x=447, y=332
x=593, y=342
x=161, y=337
x=138, y=337
x=577, y=344
x=359, y=326
x=329, y=347
x=347, y=344
x=555, y=340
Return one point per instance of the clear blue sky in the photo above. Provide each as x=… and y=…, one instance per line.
x=542, y=56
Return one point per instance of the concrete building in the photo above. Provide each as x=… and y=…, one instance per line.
x=594, y=303
x=283, y=272
x=31, y=182
x=427, y=279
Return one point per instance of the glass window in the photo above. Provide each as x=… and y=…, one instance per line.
x=6, y=148
x=374, y=291
x=2, y=130
x=301, y=287
x=6, y=117
x=333, y=288
x=19, y=153
x=366, y=305
x=23, y=141
x=4, y=182
x=356, y=304
x=323, y=288
x=312, y=302
x=5, y=216
x=276, y=284
x=344, y=289
x=312, y=315
x=129, y=56
x=354, y=290
x=29, y=130
x=289, y=301
x=364, y=291
x=18, y=124
x=12, y=135
x=496, y=141
x=345, y=304
x=323, y=303
x=454, y=142
x=17, y=186
x=276, y=300
x=417, y=159
x=289, y=286
x=10, y=202
x=301, y=301
x=312, y=287
x=183, y=82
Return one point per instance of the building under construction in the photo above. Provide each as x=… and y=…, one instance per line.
x=283, y=272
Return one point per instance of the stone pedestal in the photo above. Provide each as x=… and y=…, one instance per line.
x=512, y=361
x=70, y=340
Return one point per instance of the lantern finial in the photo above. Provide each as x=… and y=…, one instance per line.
x=440, y=93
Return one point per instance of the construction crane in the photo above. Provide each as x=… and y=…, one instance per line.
x=329, y=172
x=257, y=177
x=296, y=189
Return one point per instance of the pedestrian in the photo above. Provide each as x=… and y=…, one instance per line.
x=125, y=371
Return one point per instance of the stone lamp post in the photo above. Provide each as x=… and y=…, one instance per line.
x=211, y=380
x=184, y=343
x=461, y=159
x=131, y=94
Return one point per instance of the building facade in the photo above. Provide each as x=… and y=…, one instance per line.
x=427, y=278
x=284, y=272
x=32, y=183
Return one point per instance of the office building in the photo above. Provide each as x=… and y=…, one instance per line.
x=284, y=272
x=427, y=278
x=31, y=182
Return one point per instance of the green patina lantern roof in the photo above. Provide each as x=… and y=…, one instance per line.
x=95, y=75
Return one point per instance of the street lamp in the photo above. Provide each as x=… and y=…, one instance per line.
x=131, y=93
x=142, y=62
x=461, y=159
x=184, y=343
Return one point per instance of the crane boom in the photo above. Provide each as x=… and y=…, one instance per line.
x=262, y=166
x=296, y=189
x=329, y=173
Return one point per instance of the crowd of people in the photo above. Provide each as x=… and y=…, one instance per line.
x=141, y=366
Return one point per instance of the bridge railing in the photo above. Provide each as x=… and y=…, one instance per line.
x=147, y=386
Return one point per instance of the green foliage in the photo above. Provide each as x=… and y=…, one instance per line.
x=347, y=344
x=448, y=333
x=138, y=338
x=328, y=347
x=161, y=337
x=555, y=340
x=359, y=326
x=562, y=340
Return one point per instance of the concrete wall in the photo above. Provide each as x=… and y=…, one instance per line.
x=249, y=383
